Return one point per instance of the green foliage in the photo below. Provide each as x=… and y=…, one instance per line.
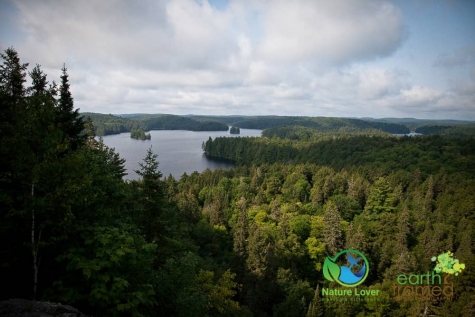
x=380, y=199
x=185, y=290
x=110, y=270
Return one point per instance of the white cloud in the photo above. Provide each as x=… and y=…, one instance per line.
x=377, y=83
x=420, y=95
x=338, y=31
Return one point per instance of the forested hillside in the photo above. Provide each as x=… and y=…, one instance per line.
x=312, y=134
x=428, y=154
x=249, y=241
x=458, y=130
x=111, y=124
x=321, y=124
x=171, y=122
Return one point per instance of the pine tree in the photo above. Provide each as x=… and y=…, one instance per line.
x=315, y=309
x=68, y=119
x=12, y=78
x=355, y=238
x=381, y=198
x=241, y=228
x=332, y=234
x=151, y=197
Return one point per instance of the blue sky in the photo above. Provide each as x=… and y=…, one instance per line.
x=344, y=58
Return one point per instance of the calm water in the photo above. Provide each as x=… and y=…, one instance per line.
x=178, y=151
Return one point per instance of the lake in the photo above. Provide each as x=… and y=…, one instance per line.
x=178, y=151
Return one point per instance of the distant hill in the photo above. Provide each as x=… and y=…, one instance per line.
x=421, y=121
x=454, y=130
x=413, y=123
x=172, y=122
x=322, y=124
x=130, y=115
x=113, y=124
x=106, y=124
x=229, y=120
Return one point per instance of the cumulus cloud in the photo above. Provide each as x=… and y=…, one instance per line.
x=337, y=31
x=377, y=83
x=248, y=57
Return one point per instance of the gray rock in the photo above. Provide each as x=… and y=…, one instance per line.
x=28, y=308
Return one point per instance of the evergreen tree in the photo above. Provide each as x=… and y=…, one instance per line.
x=381, y=198
x=315, y=309
x=68, y=119
x=241, y=228
x=12, y=79
x=332, y=234
x=150, y=197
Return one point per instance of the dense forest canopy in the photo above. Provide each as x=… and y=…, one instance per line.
x=428, y=154
x=249, y=241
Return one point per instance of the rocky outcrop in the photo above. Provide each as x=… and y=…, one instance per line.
x=28, y=308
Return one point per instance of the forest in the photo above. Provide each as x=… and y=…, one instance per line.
x=451, y=130
x=428, y=154
x=112, y=124
x=322, y=124
x=248, y=241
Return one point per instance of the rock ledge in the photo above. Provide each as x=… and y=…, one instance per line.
x=28, y=308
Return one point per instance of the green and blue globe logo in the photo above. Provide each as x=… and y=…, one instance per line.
x=348, y=268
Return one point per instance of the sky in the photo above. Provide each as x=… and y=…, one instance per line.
x=339, y=58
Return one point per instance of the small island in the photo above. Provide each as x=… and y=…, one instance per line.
x=139, y=134
x=235, y=130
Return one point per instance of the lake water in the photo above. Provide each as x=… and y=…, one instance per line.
x=178, y=151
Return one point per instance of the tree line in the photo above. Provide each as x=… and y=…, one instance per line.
x=450, y=130
x=321, y=124
x=111, y=124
